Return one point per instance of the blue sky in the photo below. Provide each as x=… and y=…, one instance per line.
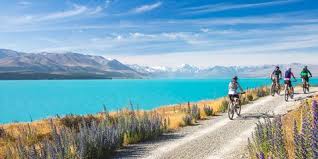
x=166, y=32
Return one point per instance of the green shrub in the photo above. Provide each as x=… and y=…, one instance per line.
x=208, y=110
x=195, y=112
x=74, y=121
x=224, y=105
x=187, y=119
x=2, y=132
x=250, y=97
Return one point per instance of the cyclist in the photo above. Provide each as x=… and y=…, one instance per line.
x=305, y=74
x=276, y=76
x=233, y=87
x=288, y=75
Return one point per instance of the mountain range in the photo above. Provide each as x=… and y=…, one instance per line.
x=19, y=65
x=190, y=71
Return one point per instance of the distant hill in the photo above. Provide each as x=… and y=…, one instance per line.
x=19, y=65
x=189, y=71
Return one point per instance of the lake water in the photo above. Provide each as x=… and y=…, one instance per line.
x=36, y=99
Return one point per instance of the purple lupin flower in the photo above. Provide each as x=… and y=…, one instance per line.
x=314, y=141
x=306, y=134
x=279, y=138
x=261, y=155
x=304, y=138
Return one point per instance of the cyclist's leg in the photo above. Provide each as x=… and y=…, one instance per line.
x=307, y=81
x=231, y=98
x=277, y=82
x=291, y=86
x=273, y=82
x=238, y=97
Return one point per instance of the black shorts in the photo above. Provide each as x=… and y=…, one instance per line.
x=306, y=79
x=232, y=96
x=289, y=83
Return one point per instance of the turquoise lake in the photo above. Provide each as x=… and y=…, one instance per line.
x=35, y=99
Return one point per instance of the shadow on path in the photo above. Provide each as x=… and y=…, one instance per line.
x=252, y=116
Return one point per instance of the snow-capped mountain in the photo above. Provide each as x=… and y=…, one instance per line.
x=190, y=71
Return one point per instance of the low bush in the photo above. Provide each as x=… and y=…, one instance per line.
x=187, y=119
x=208, y=110
x=250, y=97
x=2, y=132
x=73, y=121
x=195, y=112
x=224, y=105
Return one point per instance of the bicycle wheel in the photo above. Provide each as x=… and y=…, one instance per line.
x=238, y=109
x=278, y=90
x=286, y=95
x=308, y=88
x=273, y=90
x=230, y=111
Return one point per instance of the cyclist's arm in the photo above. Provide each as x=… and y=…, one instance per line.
x=310, y=73
x=280, y=75
x=240, y=87
x=293, y=76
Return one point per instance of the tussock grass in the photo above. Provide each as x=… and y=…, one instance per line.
x=97, y=136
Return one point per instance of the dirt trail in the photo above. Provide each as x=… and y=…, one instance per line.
x=216, y=138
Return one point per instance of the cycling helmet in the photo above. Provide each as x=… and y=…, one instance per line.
x=235, y=78
x=277, y=67
x=289, y=69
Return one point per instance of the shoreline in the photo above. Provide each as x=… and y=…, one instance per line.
x=199, y=102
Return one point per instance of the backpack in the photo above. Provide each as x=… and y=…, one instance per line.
x=288, y=74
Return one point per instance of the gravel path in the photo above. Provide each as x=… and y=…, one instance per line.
x=216, y=138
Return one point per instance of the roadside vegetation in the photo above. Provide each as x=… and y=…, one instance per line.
x=98, y=136
x=294, y=135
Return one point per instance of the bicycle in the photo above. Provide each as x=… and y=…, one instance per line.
x=275, y=88
x=305, y=86
x=289, y=92
x=234, y=107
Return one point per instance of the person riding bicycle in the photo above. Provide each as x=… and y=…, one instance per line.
x=305, y=74
x=233, y=87
x=276, y=76
x=288, y=75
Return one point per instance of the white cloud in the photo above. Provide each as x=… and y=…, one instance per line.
x=77, y=10
x=97, y=10
x=147, y=7
x=224, y=7
x=24, y=3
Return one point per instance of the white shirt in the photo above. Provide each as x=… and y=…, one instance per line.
x=233, y=87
